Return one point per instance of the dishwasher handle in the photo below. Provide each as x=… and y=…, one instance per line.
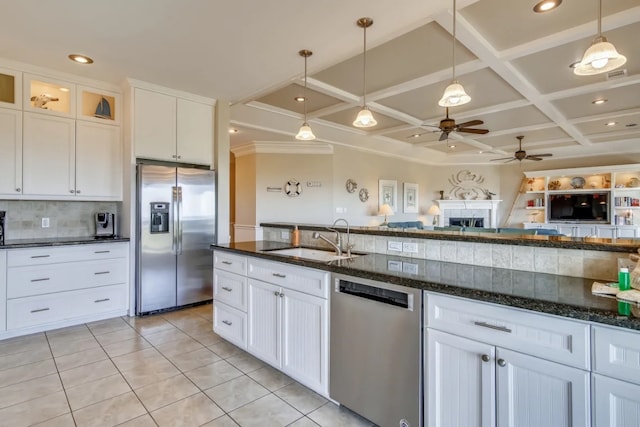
x=375, y=293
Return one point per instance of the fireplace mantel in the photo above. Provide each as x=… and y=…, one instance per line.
x=469, y=205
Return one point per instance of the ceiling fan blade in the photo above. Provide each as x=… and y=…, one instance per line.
x=504, y=158
x=443, y=136
x=537, y=159
x=471, y=123
x=512, y=160
x=541, y=155
x=471, y=130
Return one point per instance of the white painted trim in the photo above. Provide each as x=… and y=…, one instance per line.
x=247, y=233
x=582, y=171
x=271, y=147
x=490, y=205
x=168, y=91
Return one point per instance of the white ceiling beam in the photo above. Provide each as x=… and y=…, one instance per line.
x=593, y=87
x=605, y=116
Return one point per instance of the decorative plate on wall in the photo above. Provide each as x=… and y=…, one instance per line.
x=351, y=185
x=363, y=195
x=577, y=182
x=293, y=188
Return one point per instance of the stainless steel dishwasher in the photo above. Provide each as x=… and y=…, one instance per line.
x=375, y=363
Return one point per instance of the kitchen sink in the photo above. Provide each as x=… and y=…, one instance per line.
x=312, y=254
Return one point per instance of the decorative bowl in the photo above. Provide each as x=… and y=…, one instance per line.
x=577, y=182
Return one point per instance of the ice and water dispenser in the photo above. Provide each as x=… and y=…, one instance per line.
x=159, y=217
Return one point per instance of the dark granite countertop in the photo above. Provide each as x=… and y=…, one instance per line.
x=58, y=241
x=563, y=242
x=546, y=293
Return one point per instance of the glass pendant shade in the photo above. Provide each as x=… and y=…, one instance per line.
x=364, y=119
x=305, y=133
x=601, y=57
x=454, y=95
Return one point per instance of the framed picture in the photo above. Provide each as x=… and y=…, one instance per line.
x=410, y=198
x=388, y=193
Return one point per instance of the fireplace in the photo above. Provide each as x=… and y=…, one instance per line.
x=467, y=222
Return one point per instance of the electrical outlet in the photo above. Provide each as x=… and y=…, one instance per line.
x=284, y=235
x=45, y=222
x=410, y=247
x=409, y=268
x=394, y=246
x=394, y=265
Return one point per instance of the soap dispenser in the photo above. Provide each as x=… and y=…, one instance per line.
x=295, y=236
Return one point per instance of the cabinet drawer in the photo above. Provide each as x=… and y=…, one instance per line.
x=229, y=262
x=41, y=309
x=43, y=279
x=231, y=324
x=313, y=282
x=52, y=255
x=616, y=353
x=230, y=288
x=549, y=337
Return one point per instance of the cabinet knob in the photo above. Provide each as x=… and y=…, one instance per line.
x=71, y=191
x=173, y=156
x=77, y=191
x=179, y=157
x=485, y=358
x=281, y=294
x=18, y=189
x=501, y=362
x=276, y=293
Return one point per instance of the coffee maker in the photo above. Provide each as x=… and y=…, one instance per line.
x=105, y=225
x=2, y=216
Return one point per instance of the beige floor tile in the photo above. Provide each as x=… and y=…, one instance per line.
x=29, y=390
x=35, y=411
x=211, y=375
x=62, y=348
x=245, y=362
x=138, y=358
x=265, y=412
x=208, y=338
x=80, y=358
x=126, y=347
x=270, y=378
x=166, y=335
x=146, y=374
x=108, y=325
x=117, y=336
x=18, y=359
x=236, y=393
x=178, y=346
x=192, y=411
x=223, y=421
x=65, y=420
x=70, y=332
x=301, y=398
x=143, y=421
x=150, y=325
x=194, y=359
x=27, y=372
x=336, y=416
x=87, y=373
x=303, y=422
x=23, y=344
x=96, y=391
x=110, y=412
x=224, y=349
x=165, y=392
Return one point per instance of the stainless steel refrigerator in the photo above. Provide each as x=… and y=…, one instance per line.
x=175, y=226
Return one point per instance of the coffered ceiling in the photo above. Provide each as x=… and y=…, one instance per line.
x=514, y=63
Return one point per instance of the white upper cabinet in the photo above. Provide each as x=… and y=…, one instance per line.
x=11, y=149
x=98, y=161
x=10, y=89
x=172, y=128
x=49, y=96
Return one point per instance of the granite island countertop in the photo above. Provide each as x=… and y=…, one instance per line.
x=59, y=241
x=546, y=293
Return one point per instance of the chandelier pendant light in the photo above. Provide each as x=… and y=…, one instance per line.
x=364, y=119
x=305, y=133
x=454, y=94
x=601, y=56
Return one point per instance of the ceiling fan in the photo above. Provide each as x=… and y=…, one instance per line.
x=448, y=125
x=521, y=155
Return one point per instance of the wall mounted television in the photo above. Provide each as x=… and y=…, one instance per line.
x=579, y=207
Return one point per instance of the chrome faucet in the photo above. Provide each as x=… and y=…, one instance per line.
x=338, y=242
x=337, y=247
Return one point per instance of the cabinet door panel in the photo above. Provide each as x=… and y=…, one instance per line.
x=616, y=403
x=304, y=339
x=154, y=127
x=48, y=155
x=263, y=334
x=532, y=392
x=11, y=149
x=194, y=131
x=98, y=161
x=460, y=386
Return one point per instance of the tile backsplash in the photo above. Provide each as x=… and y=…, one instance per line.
x=66, y=219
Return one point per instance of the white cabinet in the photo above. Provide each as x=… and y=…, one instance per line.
x=506, y=367
x=615, y=403
x=171, y=128
x=48, y=155
x=263, y=317
x=11, y=149
x=98, y=161
x=3, y=290
x=230, y=297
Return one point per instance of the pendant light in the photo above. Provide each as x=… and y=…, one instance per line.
x=601, y=56
x=365, y=118
x=454, y=94
x=305, y=133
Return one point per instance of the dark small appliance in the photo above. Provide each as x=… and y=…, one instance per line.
x=105, y=225
x=2, y=216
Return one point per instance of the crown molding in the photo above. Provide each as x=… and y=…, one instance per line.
x=270, y=147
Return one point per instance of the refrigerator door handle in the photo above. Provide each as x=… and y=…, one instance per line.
x=179, y=221
x=174, y=231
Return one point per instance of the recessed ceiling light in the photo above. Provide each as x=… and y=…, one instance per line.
x=415, y=135
x=233, y=130
x=452, y=146
x=599, y=101
x=546, y=5
x=611, y=123
x=64, y=89
x=80, y=59
x=299, y=98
